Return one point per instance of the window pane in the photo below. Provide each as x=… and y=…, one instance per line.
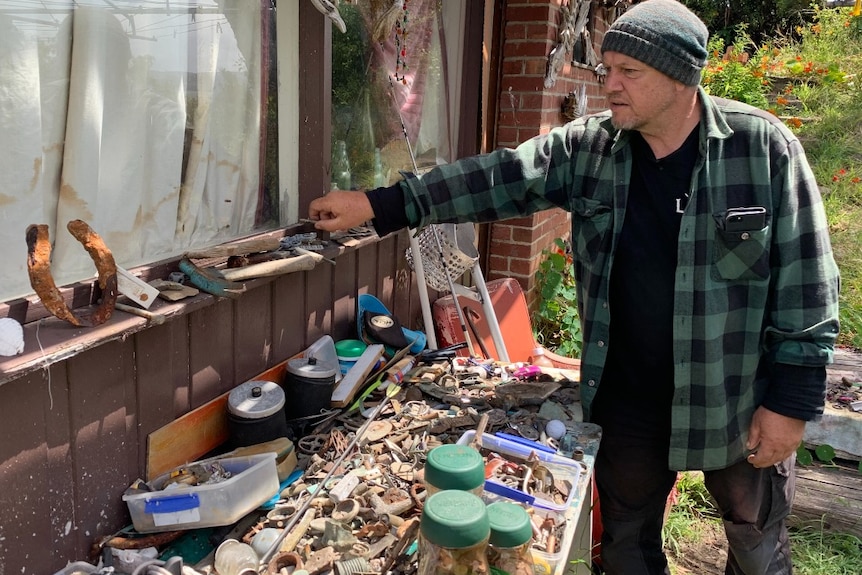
x=145, y=119
x=389, y=68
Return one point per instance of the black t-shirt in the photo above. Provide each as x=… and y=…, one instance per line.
x=634, y=398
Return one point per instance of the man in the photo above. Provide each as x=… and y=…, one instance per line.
x=707, y=287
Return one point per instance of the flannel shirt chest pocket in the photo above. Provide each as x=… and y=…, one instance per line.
x=591, y=223
x=741, y=254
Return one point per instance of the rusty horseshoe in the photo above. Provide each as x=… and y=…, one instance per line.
x=39, y=269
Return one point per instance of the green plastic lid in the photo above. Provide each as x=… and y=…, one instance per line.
x=510, y=524
x=454, y=519
x=454, y=466
x=350, y=347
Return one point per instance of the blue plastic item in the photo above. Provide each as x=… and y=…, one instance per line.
x=369, y=302
x=273, y=501
x=528, y=442
x=509, y=492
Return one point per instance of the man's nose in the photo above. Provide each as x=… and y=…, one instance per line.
x=611, y=83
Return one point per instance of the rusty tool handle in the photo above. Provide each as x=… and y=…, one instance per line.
x=156, y=318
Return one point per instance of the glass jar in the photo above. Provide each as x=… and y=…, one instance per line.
x=453, y=535
x=538, y=358
x=234, y=557
x=454, y=466
x=511, y=538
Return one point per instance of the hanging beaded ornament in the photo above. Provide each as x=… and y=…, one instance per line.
x=401, y=45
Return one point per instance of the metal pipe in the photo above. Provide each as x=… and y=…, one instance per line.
x=414, y=246
x=390, y=392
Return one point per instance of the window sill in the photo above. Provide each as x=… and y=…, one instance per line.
x=50, y=340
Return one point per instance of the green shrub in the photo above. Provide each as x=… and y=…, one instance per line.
x=556, y=324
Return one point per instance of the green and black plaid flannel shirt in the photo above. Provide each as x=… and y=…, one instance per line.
x=740, y=298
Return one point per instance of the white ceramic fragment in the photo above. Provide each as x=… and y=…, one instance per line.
x=11, y=337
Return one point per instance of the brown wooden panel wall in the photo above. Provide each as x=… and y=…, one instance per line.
x=69, y=449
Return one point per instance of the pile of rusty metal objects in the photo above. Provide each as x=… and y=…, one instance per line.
x=354, y=501
x=361, y=494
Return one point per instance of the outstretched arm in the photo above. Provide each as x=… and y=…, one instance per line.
x=340, y=210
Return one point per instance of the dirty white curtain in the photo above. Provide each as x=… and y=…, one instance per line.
x=143, y=122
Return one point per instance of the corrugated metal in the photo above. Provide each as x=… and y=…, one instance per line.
x=70, y=448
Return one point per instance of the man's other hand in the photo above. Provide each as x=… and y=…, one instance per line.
x=772, y=437
x=340, y=210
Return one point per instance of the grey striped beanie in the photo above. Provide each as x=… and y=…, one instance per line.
x=663, y=34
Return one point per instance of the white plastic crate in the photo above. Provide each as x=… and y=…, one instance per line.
x=561, y=467
x=253, y=481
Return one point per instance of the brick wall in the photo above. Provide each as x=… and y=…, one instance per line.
x=526, y=108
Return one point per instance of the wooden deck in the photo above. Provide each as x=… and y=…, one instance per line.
x=829, y=495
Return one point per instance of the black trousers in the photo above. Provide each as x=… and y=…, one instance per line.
x=634, y=482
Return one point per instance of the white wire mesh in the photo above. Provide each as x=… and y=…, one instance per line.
x=447, y=256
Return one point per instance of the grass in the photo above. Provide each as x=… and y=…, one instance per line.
x=830, y=94
x=694, y=528
x=811, y=81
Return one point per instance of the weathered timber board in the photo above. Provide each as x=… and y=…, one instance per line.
x=196, y=433
x=831, y=495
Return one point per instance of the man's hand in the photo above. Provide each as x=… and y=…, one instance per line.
x=772, y=437
x=340, y=210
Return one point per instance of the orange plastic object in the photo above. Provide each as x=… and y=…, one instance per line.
x=513, y=315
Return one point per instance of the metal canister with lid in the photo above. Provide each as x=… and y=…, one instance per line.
x=309, y=385
x=256, y=413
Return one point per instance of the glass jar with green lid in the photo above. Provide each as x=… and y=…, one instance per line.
x=454, y=466
x=510, y=539
x=453, y=535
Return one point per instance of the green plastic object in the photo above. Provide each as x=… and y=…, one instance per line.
x=455, y=519
x=510, y=524
x=350, y=348
x=454, y=466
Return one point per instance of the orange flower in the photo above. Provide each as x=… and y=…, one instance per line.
x=795, y=122
x=781, y=101
x=856, y=180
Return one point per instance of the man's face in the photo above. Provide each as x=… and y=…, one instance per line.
x=639, y=96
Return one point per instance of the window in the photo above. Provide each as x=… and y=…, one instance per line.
x=154, y=121
x=397, y=63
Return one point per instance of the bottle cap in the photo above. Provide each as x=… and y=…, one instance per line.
x=454, y=466
x=510, y=524
x=454, y=519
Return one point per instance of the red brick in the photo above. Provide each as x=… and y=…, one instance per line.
x=518, y=31
x=507, y=136
x=538, y=101
x=536, y=67
x=510, y=250
x=527, y=48
x=541, y=31
x=501, y=232
x=526, y=133
x=521, y=268
x=522, y=84
x=499, y=265
x=531, y=13
x=513, y=67
x=520, y=118
x=522, y=235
